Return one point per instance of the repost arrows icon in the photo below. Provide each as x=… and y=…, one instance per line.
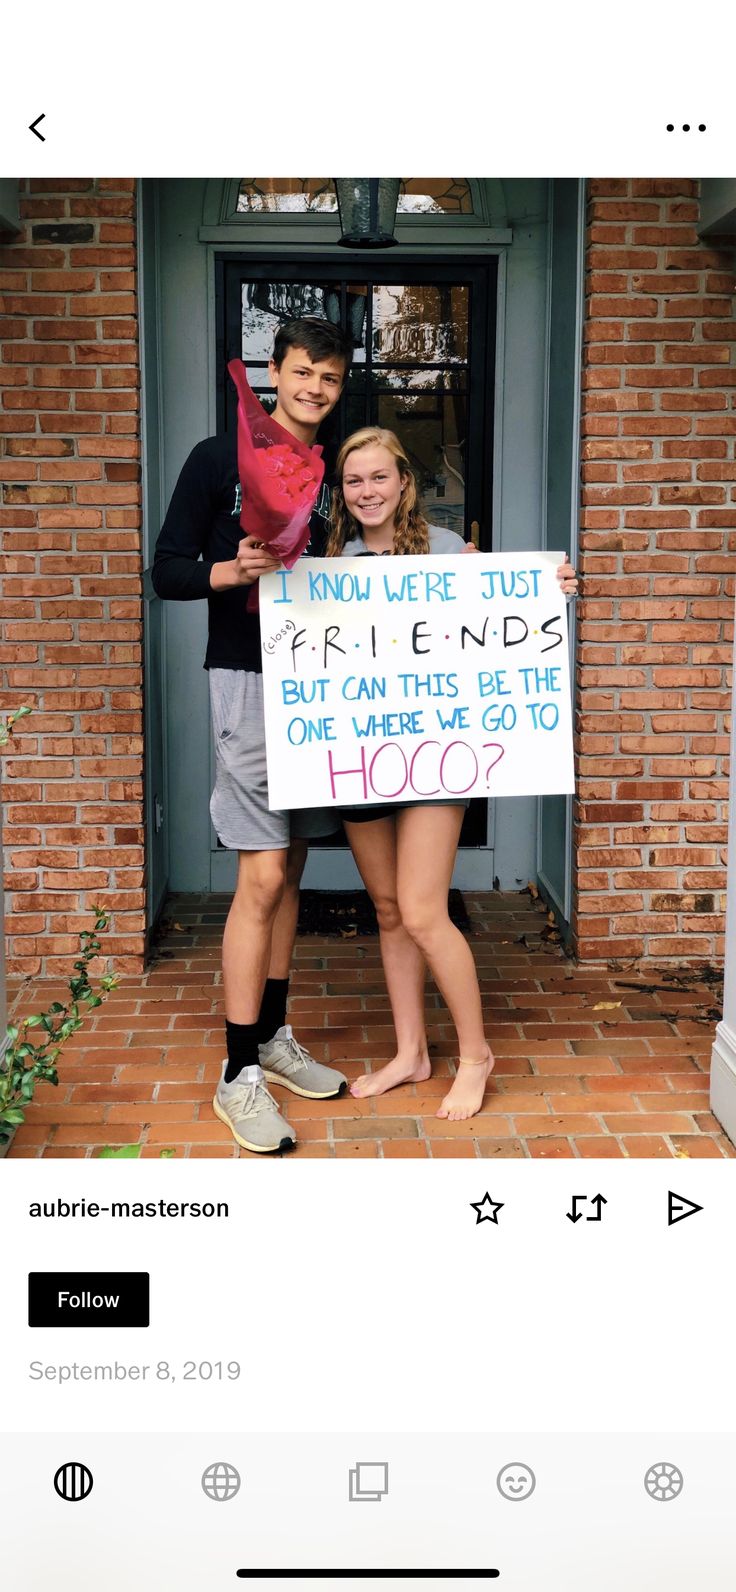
x=679, y=1208
x=576, y=1215
x=34, y=127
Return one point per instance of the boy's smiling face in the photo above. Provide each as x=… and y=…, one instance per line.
x=306, y=391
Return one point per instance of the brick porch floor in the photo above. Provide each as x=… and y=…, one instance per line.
x=585, y=1067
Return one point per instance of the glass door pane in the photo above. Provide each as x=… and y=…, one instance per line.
x=422, y=367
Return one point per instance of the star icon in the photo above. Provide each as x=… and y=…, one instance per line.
x=487, y=1209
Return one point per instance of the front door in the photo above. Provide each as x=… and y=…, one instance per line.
x=424, y=368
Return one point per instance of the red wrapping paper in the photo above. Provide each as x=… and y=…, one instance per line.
x=280, y=479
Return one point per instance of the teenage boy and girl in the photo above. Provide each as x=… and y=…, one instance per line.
x=405, y=852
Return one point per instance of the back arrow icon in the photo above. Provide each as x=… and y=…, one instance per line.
x=679, y=1208
x=34, y=127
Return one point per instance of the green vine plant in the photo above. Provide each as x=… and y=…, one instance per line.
x=25, y=1064
x=6, y=725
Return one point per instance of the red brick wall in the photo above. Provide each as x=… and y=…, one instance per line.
x=659, y=547
x=70, y=517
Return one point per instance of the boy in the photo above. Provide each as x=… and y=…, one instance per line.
x=194, y=559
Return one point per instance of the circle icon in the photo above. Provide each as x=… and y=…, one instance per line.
x=664, y=1482
x=516, y=1482
x=73, y=1482
x=221, y=1482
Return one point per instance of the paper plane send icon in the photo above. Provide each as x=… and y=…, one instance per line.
x=679, y=1208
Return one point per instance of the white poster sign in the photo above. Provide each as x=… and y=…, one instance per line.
x=392, y=679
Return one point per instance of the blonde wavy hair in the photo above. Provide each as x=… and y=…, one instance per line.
x=411, y=532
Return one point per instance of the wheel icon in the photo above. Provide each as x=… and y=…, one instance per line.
x=664, y=1482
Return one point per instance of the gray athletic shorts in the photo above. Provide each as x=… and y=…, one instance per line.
x=239, y=803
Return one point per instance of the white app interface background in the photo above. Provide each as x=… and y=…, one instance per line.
x=358, y=1366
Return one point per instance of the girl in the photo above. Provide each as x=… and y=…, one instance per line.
x=405, y=851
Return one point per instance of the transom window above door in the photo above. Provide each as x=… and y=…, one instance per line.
x=418, y=196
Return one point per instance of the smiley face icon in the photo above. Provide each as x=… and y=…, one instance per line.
x=516, y=1482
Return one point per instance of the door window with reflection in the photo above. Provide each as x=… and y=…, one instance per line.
x=411, y=369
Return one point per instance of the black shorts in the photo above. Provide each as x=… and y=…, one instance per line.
x=367, y=814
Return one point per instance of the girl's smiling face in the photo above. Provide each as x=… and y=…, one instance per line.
x=372, y=485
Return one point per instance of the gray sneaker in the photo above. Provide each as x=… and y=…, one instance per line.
x=285, y=1061
x=251, y=1114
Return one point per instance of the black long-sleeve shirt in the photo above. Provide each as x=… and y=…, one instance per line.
x=202, y=528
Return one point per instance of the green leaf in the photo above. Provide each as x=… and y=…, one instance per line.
x=122, y=1152
x=26, y=1064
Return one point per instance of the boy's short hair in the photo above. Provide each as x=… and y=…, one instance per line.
x=320, y=340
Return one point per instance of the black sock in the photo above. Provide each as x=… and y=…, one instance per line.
x=242, y=1048
x=272, y=1014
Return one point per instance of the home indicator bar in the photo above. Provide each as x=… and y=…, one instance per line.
x=370, y=1575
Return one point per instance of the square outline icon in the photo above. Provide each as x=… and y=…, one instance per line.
x=364, y=1487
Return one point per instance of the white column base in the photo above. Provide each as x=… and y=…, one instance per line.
x=723, y=1079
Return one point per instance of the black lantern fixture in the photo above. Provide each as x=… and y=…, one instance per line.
x=367, y=207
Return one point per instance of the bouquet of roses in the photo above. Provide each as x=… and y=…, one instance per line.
x=280, y=479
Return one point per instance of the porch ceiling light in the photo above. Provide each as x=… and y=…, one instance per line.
x=367, y=207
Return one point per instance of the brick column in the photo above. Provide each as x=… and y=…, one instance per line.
x=71, y=524
x=723, y=1054
x=659, y=544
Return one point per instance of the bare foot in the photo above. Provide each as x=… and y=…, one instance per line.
x=403, y=1069
x=466, y=1095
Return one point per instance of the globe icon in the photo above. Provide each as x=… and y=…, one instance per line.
x=221, y=1482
